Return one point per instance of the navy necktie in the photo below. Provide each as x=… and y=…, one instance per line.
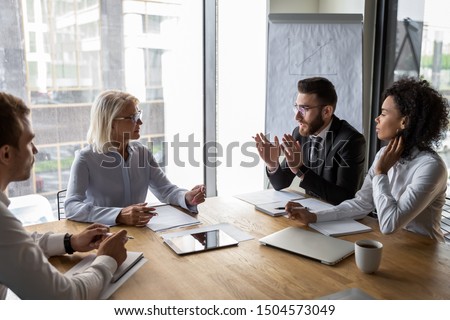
x=316, y=145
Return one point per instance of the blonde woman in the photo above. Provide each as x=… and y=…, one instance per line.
x=110, y=177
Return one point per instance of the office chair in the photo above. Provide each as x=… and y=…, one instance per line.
x=445, y=220
x=60, y=197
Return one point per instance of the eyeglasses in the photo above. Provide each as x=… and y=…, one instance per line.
x=303, y=108
x=135, y=117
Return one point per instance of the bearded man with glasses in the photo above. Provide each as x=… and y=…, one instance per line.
x=325, y=152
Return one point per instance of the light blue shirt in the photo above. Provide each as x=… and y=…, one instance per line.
x=101, y=185
x=410, y=196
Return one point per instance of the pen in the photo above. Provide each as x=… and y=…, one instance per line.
x=108, y=234
x=282, y=208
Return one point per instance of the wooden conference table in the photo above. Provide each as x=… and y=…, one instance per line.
x=412, y=267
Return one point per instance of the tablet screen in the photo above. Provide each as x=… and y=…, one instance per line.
x=200, y=241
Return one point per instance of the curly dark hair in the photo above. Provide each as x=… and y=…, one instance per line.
x=427, y=111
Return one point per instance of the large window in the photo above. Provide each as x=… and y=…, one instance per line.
x=435, y=58
x=241, y=73
x=419, y=47
x=68, y=51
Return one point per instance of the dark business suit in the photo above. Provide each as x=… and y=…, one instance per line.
x=338, y=172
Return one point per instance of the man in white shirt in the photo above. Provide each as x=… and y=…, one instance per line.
x=24, y=267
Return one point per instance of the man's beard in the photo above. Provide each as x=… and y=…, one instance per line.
x=313, y=126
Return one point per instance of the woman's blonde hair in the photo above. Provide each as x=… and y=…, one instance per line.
x=107, y=105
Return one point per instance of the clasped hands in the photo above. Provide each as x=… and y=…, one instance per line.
x=97, y=236
x=270, y=152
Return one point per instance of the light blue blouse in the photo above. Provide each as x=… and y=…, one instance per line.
x=100, y=185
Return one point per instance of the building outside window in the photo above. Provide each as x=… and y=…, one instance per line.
x=423, y=50
x=70, y=50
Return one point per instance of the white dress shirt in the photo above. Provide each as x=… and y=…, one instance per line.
x=25, y=270
x=410, y=196
x=101, y=185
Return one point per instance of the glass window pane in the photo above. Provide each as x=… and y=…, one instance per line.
x=435, y=59
x=240, y=94
x=72, y=55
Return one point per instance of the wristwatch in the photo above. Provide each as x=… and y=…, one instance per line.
x=67, y=244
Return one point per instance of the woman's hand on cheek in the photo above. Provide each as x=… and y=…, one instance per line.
x=391, y=155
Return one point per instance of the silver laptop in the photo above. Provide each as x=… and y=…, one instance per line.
x=327, y=250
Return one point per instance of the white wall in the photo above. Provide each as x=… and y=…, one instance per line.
x=294, y=6
x=341, y=6
x=317, y=6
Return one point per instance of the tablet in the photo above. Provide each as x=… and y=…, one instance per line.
x=200, y=241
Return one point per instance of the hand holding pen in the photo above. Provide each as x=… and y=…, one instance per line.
x=136, y=215
x=300, y=213
x=109, y=234
x=196, y=196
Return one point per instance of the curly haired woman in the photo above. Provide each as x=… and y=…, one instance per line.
x=407, y=181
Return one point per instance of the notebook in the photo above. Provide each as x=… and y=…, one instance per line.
x=327, y=250
x=340, y=227
x=132, y=263
x=273, y=209
x=132, y=259
x=170, y=217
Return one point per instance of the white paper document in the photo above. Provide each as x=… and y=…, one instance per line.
x=273, y=209
x=234, y=232
x=313, y=204
x=340, y=227
x=268, y=195
x=170, y=217
x=132, y=263
x=348, y=294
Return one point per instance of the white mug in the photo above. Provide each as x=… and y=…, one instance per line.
x=368, y=255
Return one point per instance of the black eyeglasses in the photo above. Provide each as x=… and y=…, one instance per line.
x=303, y=108
x=135, y=117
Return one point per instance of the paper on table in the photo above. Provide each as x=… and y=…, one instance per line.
x=273, y=208
x=234, y=232
x=340, y=227
x=132, y=263
x=348, y=294
x=313, y=204
x=267, y=196
x=170, y=217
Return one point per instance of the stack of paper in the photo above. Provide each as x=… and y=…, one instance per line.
x=340, y=227
x=277, y=208
x=270, y=201
x=273, y=209
x=268, y=196
x=170, y=217
x=313, y=204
